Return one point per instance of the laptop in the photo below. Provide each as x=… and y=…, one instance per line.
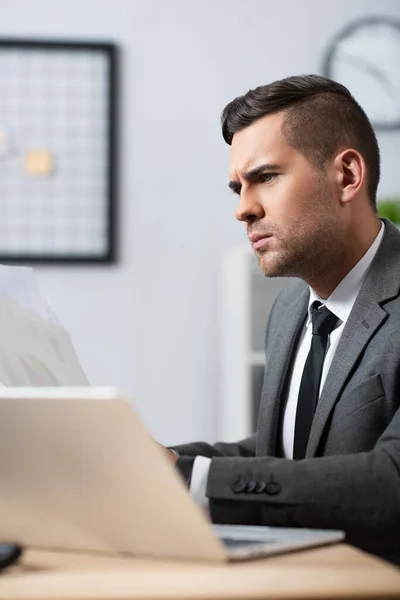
x=78, y=471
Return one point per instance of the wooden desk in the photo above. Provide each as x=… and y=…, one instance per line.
x=331, y=572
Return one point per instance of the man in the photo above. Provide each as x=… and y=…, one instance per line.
x=305, y=165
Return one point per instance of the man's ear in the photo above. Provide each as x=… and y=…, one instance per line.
x=350, y=172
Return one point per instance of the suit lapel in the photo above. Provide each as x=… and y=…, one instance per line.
x=381, y=283
x=359, y=329
x=281, y=343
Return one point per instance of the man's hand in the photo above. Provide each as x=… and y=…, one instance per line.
x=171, y=455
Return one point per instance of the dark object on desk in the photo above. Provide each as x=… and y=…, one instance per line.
x=9, y=554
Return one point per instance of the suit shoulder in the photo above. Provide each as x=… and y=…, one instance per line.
x=293, y=290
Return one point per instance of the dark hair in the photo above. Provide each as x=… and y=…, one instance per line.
x=321, y=116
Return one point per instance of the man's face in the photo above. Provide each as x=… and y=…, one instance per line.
x=288, y=206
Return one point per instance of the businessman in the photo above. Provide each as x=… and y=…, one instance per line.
x=305, y=167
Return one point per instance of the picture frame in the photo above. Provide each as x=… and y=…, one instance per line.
x=58, y=151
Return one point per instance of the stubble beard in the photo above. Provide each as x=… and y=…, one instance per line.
x=306, y=251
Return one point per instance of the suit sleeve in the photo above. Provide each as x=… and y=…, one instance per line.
x=359, y=493
x=244, y=448
x=188, y=453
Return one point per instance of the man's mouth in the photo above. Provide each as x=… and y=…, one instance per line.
x=259, y=240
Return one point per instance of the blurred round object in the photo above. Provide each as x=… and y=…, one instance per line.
x=365, y=57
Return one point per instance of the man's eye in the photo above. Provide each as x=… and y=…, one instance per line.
x=268, y=177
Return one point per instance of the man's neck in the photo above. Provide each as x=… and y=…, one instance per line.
x=327, y=281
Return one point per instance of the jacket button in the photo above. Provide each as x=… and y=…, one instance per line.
x=250, y=487
x=261, y=485
x=238, y=486
x=272, y=488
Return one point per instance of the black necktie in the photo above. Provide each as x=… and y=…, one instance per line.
x=323, y=322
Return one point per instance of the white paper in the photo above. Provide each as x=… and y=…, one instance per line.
x=35, y=350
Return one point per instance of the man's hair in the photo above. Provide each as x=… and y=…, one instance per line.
x=321, y=117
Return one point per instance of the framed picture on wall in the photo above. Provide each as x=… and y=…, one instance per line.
x=58, y=148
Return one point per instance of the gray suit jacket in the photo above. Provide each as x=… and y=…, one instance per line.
x=350, y=478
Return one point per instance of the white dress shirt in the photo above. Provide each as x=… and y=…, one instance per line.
x=340, y=302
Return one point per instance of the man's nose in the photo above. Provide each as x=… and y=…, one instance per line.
x=249, y=208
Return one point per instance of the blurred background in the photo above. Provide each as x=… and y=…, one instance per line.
x=155, y=322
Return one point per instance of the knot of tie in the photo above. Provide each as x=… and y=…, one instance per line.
x=323, y=320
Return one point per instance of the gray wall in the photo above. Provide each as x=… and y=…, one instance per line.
x=150, y=325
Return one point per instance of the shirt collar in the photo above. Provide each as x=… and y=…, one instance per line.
x=341, y=301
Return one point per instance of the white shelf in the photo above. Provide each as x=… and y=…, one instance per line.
x=247, y=298
x=256, y=358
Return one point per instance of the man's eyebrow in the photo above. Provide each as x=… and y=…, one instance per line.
x=235, y=186
x=252, y=175
x=257, y=171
